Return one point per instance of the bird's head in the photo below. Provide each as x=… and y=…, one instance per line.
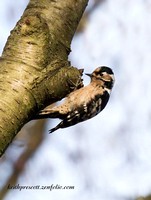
x=105, y=75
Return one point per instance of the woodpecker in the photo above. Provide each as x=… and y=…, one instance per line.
x=83, y=103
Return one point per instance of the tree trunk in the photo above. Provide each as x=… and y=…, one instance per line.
x=34, y=70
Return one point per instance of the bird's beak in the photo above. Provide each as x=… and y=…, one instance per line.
x=89, y=75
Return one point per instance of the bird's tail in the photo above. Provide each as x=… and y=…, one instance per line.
x=60, y=125
x=54, y=129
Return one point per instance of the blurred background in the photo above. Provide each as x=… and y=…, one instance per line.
x=107, y=157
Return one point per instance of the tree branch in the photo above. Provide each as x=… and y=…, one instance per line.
x=34, y=70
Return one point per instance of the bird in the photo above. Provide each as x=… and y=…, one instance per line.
x=83, y=103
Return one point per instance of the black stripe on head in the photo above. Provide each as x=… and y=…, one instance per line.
x=106, y=69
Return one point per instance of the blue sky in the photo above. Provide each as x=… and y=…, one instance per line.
x=114, y=146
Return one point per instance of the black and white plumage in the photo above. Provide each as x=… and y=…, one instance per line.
x=83, y=103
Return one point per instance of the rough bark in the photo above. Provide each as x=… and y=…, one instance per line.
x=34, y=70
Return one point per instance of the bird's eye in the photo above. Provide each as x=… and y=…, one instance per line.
x=99, y=73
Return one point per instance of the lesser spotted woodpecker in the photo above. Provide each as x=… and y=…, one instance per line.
x=83, y=103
